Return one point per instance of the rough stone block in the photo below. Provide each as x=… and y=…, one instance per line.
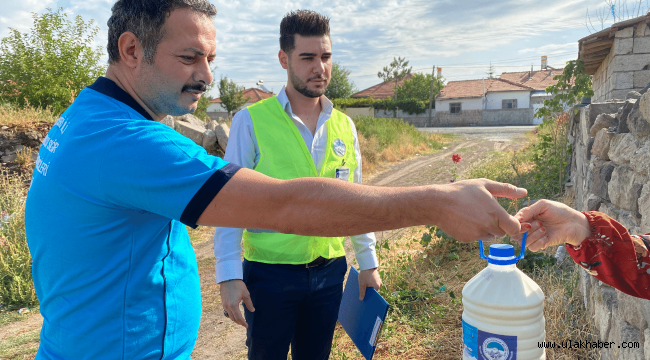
x=601, y=177
x=641, y=78
x=222, y=132
x=194, y=132
x=621, y=95
x=646, y=344
x=621, y=148
x=629, y=308
x=632, y=62
x=644, y=210
x=209, y=139
x=590, y=146
x=212, y=125
x=640, y=159
x=623, y=46
x=625, y=33
x=584, y=285
x=623, y=81
x=631, y=335
x=189, y=118
x=622, y=117
x=637, y=124
x=603, y=121
x=624, y=188
x=605, y=302
x=642, y=45
x=601, y=143
x=626, y=218
x=633, y=95
x=169, y=121
x=642, y=30
x=593, y=202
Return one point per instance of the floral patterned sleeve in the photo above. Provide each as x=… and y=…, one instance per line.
x=613, y=256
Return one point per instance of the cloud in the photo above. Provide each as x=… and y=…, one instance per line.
x=552, y=48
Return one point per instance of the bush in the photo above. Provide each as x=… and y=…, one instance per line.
x=16, y=286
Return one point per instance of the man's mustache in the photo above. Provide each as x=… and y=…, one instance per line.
x=196, y=87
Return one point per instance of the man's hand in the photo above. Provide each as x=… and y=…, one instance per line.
x=552, y=223
x=471, y=212
x=233, y=292
x=368, y=278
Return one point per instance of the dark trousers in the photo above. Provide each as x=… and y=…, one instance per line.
x=294, y=306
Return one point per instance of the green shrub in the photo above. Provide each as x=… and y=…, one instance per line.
x=16, y=286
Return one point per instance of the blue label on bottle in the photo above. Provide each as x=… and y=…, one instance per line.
x=470, y=341
x=483, y=345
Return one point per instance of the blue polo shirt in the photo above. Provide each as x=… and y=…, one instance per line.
x=105, y=216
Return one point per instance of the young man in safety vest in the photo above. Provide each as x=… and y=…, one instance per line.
x=295, y=282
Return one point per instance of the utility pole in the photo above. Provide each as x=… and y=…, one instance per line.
x=433, y=77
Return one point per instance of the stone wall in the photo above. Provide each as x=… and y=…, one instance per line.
x=609, y=173
x=627, y=67
x=466, y=117
x=508, y=117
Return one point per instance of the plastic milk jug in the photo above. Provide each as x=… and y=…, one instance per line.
x=503, y=310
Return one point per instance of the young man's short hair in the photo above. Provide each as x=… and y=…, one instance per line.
x=303, y=23
x=145, y=19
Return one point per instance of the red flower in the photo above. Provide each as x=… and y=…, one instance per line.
x=456, y=158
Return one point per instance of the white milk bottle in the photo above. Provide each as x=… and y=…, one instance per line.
x=503, y=310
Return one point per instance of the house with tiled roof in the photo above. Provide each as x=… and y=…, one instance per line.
x=484, y=102
x=381, y=91
x=510, y=99
x=252, y=95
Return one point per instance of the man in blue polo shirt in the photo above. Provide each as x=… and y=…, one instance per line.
x=113, y=190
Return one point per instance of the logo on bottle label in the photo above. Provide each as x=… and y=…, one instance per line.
x=495, y=349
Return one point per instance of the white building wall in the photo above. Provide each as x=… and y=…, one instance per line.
x=494, y=99
x=466, y=104
x=218, y=107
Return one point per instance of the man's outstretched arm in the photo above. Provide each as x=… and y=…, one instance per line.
x=465, y=210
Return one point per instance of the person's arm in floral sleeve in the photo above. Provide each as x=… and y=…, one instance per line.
x=597, y=242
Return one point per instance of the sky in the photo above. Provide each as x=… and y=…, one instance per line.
x=463, y=37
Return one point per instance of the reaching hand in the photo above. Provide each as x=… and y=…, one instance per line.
x=552, y=223
x=368, y=278
x=472, y=212
x=233, y=292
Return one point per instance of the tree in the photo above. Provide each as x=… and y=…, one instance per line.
x=340, y=86
x=51, y=64
x=615, y=11
x=231, y=95
x=395, y=72
x=418, y=87
x=572, y=85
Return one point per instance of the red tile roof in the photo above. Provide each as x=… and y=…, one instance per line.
x=538, y=80
x=474, y=88
x=252, y=95
x=380, y=91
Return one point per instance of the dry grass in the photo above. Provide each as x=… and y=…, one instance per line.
x=27, y=117
x=373, y=156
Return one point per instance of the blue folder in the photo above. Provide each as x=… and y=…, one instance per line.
x=362, y=320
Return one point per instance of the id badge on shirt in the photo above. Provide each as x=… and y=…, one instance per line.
x=343, y=172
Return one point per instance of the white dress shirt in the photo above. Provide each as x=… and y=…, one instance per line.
x=244, y=151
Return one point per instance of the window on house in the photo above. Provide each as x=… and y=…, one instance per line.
x=454, y=108
x=509, y=104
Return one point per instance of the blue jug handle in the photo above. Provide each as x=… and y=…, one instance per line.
x=522, y=251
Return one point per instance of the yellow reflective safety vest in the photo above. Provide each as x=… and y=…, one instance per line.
x=284, y=155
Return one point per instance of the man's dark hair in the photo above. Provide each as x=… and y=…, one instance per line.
x=303, y=23
x=145, y=19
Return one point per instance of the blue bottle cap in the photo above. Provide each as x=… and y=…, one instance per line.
x=502, y=254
